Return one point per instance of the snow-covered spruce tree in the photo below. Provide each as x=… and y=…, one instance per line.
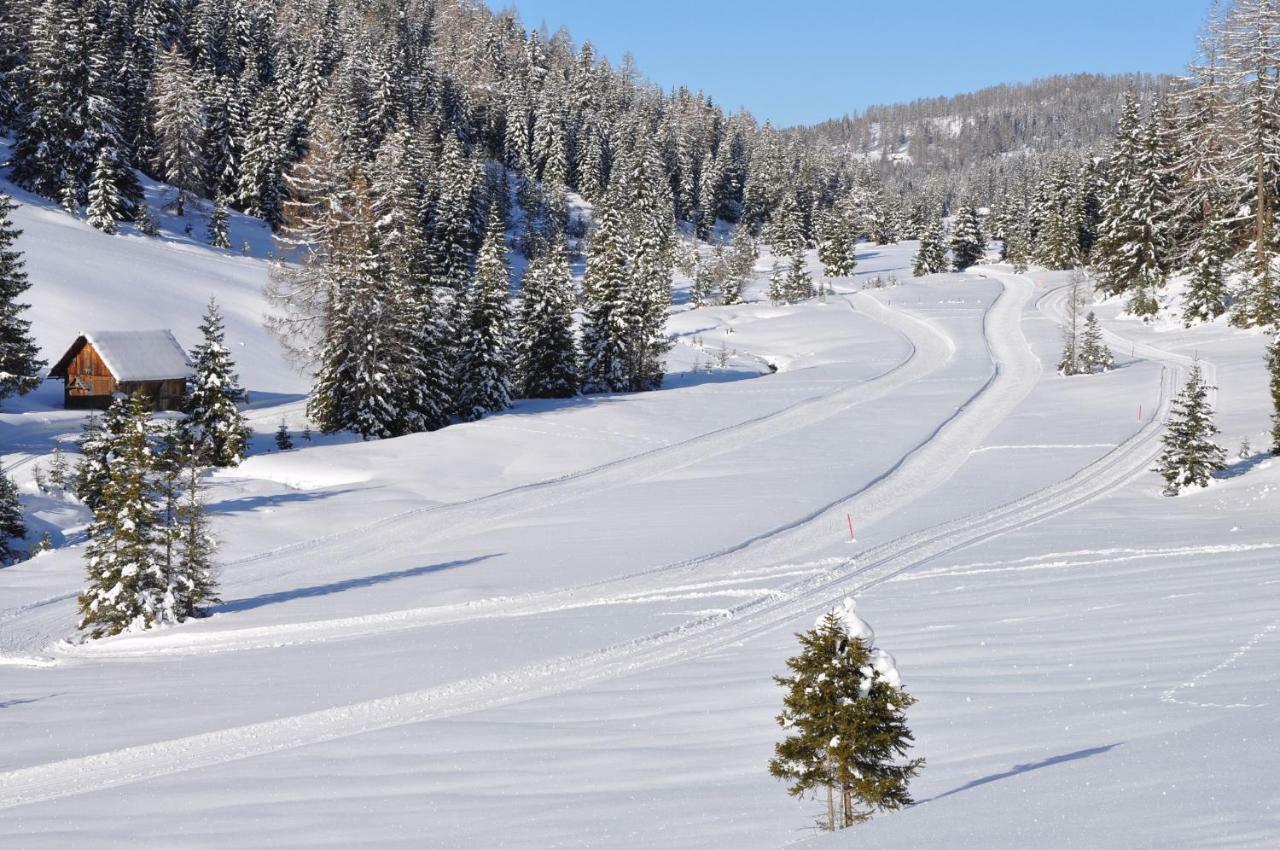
x=1273, y=370
x=485, y=361
x=218, y=235
x=931, y=256
x=604, y=329
x=844, y=714
x=837, y=246
x=1017, y=245
x=1095, y=356
x=798, y=285
x=284, y=442
x=1112, y=262
x=740, y=260
x=12, y=526
x=1190, y=455
x=968, y=243
x=179, y=124
x=777, y=291
x=105, y=204
x=126, y=585
x=97, y=443
x=547, y=351
x=453, y=237
x=20, y=363
x=184, y=546
x=1071, y=350
x=214, y=396
x=1205, y=298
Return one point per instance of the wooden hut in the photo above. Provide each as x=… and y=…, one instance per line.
x=100, y=364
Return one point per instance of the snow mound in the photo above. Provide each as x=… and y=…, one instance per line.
x=854, y=626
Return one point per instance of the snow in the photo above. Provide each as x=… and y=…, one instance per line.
x=570, y=613
x=140, y=355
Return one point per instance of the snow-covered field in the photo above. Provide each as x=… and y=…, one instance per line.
x=556, y=627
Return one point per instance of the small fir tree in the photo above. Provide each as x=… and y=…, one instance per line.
x=1190, y=455
x=284, y=442
x=1273, y=369
x=1206, y=295
x=97, y=444
x=1071, y=359
x=146, y=221
x=126, y=585
x=1095, y=356
x=931, y=256
x=219, y=237
x=547, y=351
x=844, y=712
x=214, y=396
x=777, y=291
x=968, y=243
x=59, y=470
x=799, y=284
x=20, y=363
x=485, y=361
x=12, y=527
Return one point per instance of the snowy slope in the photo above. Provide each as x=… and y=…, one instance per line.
x=569, y=613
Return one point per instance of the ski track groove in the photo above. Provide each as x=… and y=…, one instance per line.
x=688, y=640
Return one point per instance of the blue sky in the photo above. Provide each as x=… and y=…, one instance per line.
x=805, y=60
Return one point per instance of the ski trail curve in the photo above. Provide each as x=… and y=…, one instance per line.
x=690, y=639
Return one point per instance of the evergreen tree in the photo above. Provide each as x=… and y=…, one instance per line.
x=214, y=396
x=547, y=350
x=1071, y=350
x=1273, y=370
x=1205, y=297
x=777, y=290
x=12, y=526
x=178, y=127
x=844, y=712
x=20, y=363
x=484, y=370
x=798, y=285
x=184, y=547
x=97, y=443
x=931, y=256
x=218, y=234
x=1095, y=356
x=604, y=331
x=968, y=243
x=105, y=204
x=284, y=442
x=1190, y=455
x=126, y=585
x=837, y=248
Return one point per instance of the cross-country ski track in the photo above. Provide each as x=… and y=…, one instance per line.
x=930, y=463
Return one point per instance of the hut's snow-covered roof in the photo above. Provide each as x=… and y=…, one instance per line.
x=135, y=355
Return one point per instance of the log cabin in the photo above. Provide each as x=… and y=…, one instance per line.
x=101, y=364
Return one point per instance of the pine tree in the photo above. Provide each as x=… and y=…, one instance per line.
x=1071, y=350
x=178, y=127
x=12, y=526
x=1206, y=298
x=837, y=246
x=214, y=396
x=485, y=368
x=1190, y=456
x=844, y=712
x=1273, y=370
x=604, y=331
x=931, y=256
x=20, y=363
x=105, y=206
x=968, y=244
x=218, y=234
x=97, y=443
x=284, y=442
x=1095, y=356
x=59, y=469
x=798, y=285
x=547, y=352
x=184, y=546
x=126, y=585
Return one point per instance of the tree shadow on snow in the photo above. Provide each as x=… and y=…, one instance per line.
x=1018, y=769
x=253, y=503
x=1243, y=466
x=251, y=602
x=10, y=703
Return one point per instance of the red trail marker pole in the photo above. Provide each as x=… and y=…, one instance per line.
x=852, y=539
x=1139, y=412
